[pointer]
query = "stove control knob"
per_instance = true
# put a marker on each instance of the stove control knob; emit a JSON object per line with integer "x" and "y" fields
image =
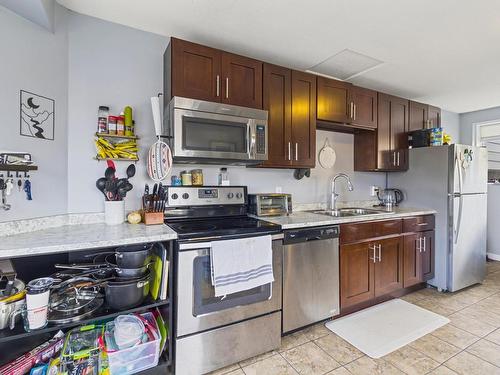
{"x": 239, "y": 195}
{"x": 185, "y": 195}
{"x": 174, "y": 196}
{"x": 230, "y": 195}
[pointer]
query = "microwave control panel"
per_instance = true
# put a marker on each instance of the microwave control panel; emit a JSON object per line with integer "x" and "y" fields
{"x": 261, "y": 139}
{"x": 183, "y": 196}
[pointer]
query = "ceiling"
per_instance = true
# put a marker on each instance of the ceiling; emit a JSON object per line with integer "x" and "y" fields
{"x": 444, "y": 52}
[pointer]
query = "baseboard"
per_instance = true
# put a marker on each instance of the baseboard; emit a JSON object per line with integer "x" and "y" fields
{"x": 493, "y": 256}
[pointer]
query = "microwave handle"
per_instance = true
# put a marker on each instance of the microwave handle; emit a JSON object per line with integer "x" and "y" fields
{"x": 251, "y": 130}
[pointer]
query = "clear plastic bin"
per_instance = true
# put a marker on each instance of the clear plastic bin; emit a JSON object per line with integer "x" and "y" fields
{"x": 134, "y": 359}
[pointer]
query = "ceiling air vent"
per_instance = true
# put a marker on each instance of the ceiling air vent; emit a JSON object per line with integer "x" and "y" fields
{"x": 345, "y": 65}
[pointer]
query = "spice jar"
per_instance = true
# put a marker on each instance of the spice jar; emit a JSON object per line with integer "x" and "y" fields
{"x": 186, "y": 178}
{"x": 120, "y": 125}
{"x": 197, "y": 177}
{"x": 112, "y": 124}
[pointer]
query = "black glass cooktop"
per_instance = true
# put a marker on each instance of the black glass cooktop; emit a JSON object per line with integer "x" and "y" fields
{"x": 233, "y": 226}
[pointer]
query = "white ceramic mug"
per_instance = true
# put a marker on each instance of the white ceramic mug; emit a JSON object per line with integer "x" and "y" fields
{"x": 114, "y": 212}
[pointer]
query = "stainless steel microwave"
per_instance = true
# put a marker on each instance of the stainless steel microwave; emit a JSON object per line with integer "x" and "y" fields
{"x": 215, "y": 133}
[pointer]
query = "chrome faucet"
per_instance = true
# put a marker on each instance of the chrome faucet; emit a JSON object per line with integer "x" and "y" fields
{"x": 335, "y": 195}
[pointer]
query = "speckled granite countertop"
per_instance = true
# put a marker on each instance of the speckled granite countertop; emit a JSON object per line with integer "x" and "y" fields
{"x": 68, "y": 238}
{"x": 309, "y": 219}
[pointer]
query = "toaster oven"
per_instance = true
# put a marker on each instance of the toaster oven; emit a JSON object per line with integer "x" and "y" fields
{"x": 273, "y": 204}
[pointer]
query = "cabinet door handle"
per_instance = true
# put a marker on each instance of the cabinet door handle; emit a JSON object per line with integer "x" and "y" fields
{"x": 227, "y": 87}
{"x": 290, "y": 151}
{"x": 380, "y": 253}
{"x": 425, "y": 246}
{"x": 354, "y": 105}
{"x": 218, "y": 85}
{"x": 394, "y": 158}
{"x": 419, "y": 246}
{"x": 374, "y": 248}
{"x": 296, "y": 151}
{"x": 398, "y": 158}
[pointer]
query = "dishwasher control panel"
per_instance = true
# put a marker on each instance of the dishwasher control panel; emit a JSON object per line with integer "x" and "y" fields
{"x": 311, "y": 234}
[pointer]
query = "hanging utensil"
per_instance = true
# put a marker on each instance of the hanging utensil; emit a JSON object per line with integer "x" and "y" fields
{"x": 159, "y": 162}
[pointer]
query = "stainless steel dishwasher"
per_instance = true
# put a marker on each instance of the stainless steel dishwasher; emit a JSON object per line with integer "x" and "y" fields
{"x": 310, "y": 276}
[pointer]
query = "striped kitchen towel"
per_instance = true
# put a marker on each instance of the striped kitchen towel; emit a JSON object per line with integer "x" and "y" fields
{"x": 241, "y": 264}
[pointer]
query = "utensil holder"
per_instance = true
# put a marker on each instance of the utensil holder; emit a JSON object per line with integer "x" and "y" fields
{"x": 152, "y": 218}
{"x": 114, "y": 212}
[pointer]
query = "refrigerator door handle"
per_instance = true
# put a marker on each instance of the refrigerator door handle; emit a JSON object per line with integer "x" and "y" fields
{"x": 459, "y": 219}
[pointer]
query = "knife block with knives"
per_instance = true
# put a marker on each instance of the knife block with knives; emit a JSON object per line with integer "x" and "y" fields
{"x": 153, "y": 204}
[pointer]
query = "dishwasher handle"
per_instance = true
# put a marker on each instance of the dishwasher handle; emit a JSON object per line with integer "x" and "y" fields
{"x": 311, "y": 234}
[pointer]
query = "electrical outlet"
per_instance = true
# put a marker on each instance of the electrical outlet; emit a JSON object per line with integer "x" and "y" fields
{"x": 278, "y": 189}
{"x": 374, "y": 190}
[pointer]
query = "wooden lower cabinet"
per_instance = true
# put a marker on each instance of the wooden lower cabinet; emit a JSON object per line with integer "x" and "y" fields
{"x": 370, "y": 269}
{"x": 380, "y": 260}
{"x": 356, "y": 274}
{"x": 388, "y": 265}
{"x": 418, "y": 258}
{"x": 428, "y": 255}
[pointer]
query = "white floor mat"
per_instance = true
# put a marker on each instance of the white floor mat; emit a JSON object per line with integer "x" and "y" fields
{"x": 383, "y": 328}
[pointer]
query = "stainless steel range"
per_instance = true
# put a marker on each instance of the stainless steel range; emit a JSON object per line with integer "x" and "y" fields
{"x": 212, "y": 332}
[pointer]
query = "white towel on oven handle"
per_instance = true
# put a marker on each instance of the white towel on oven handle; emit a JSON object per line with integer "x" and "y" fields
{"x": 241, "y": 264}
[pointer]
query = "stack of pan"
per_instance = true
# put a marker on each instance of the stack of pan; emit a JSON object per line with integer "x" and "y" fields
{"x": 124, "y": 276}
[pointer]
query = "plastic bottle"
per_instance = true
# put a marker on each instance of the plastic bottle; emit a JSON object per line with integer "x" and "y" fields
{"x": 129, "y": 124}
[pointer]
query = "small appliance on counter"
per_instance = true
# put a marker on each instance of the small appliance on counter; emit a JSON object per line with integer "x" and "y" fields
{"x": 389, "y": 197}
{"x": 272, "y": 204}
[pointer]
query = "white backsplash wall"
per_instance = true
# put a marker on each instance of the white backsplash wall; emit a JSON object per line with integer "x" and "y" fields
{"x": 315, "y": 189}
{"x": 35, "y": 60}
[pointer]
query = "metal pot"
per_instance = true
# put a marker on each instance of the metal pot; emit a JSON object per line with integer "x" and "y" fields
{"x": 134, "y": 256}
{"x": 127, "y": 272}
{"x": 126, "y": 294}
{"x": 8, "y": 306}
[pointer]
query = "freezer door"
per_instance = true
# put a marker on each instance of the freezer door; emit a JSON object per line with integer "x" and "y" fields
{"x": 467, "y": 255}
{"x": 469, "y": 176}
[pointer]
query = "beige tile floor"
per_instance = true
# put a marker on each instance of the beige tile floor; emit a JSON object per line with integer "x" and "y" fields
{"x": 469, "y": 345}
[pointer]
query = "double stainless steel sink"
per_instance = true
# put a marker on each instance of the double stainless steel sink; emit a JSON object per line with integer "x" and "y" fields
{"x": 351, "y": 211}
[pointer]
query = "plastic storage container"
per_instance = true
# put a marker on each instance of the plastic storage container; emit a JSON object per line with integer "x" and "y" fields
{"x": 134, "y": 359}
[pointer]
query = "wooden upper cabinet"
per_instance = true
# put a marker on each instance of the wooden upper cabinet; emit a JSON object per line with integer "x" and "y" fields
{"x": 434, "y": 117}
{"x": 418, "y": 118}
{"x": 242, "y": 81}
{"x": 303, "y": 120}
{"x": 277, "y": 100}
{"x": 392, "y": 132}
{"x": 195, "y": 70}
{"x": 334, "y": 100}
{"x": 423, "y": 116}
{"x": 199, "y": 72}
{"x": 364, "y": 107}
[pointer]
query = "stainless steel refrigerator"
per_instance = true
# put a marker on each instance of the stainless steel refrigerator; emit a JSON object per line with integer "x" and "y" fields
{"x": 453, "y": 181}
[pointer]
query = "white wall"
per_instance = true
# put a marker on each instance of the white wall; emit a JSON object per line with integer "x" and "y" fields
{"x": 308, "y": 190}
{"x": 35, "y": 60}
{"x": 111, "y": 65}
{"x": 450, "y": 121}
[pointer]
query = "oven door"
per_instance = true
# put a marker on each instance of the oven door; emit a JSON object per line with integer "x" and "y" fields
{"x": 213, "y": 136}
{"x": 197, "y": 307}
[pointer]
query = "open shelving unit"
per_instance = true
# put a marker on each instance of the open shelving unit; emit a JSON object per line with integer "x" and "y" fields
{"x": 16, "y": 342}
